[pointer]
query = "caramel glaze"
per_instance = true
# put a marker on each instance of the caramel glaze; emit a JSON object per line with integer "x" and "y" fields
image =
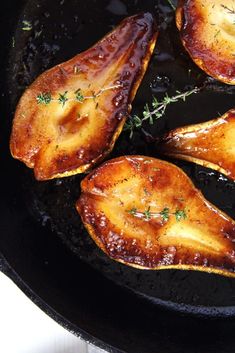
{"x": 203, "y": 241}
{"x": 59, "y": 141}
{"x": 208, "y": 34}
{"x": 210, "y": 144}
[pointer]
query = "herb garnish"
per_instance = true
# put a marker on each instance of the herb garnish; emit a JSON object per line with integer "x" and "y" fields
{"x": 63, "y": 98}
{"x": 159, "y": 109}
{"x": 46, "y": 97}
{"x": 171, "y": 4}
{"x": 79, "y": 95}
{"x": 147, "y": 214}
{"x": 164, "y": 214}
{"x": 27, "y": 25}
{"x": 230, "y": 11}
{"x": 132, "y": 211}
{"x": 76, "y": 69}
{"x": 217, "y": 33}
{"x": 180, "y": 214}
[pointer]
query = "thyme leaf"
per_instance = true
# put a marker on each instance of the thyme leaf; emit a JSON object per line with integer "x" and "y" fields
{"x": 63, "y": 98}
{"x": 171, "y": 4}
{"x": 44, "y": 98}
{"x": 180, "y": 214}
{"x": 132, "y": 211}
{"x": 165, "y": 214}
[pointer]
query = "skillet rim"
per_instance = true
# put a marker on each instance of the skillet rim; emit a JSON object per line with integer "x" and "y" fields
{"x": 6, "y": 268}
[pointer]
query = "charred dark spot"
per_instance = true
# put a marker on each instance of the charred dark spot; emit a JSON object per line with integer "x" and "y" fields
{"x": 61, "y": 160}
{"x": 229, "y": 233}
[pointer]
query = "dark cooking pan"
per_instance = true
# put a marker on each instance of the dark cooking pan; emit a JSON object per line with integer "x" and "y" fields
{"x": 43, "y": 245}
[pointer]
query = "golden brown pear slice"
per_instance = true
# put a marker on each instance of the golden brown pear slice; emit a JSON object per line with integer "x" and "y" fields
{"x": 146, "y": 213}
{"x": 71, "y": 116}
{"x": 208, "y": 33}
{"x": 210, "y": 144}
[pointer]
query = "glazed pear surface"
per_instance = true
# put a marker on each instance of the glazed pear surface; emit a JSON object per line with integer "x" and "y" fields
{"x": 210, "y": 144}
{"x": 208, "y": 34}
{"x": 146, "y": 213}
{"x": 71, "y": 116}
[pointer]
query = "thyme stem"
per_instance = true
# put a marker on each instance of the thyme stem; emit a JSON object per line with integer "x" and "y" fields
{"x": 230, "y": 11}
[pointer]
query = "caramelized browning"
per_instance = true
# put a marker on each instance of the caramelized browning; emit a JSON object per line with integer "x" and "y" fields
{"x": 208, "y": 33}
{"x": 146, "y": 213}
{"x": 65, "y": 135}
{"x": 210, "y": 144}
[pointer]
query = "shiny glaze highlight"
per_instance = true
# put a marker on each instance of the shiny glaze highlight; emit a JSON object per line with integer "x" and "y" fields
{"x": 203, "y": 241}
{"x": 59, "y": 141}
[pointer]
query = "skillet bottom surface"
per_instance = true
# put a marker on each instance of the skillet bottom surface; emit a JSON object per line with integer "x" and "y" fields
{"x": 60, "y": 30}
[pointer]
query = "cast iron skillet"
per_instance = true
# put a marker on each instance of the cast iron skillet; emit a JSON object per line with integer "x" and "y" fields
{"x": 43, "y": 246}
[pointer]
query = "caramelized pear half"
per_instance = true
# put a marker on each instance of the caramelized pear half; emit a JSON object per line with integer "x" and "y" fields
{"x": 208, "y": 33}
{"x": 210, "y": 144}
{"x": 71, "y": 116}
{"x": 146, "y": 213}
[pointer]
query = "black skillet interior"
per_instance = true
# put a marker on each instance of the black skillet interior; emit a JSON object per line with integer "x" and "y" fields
{"x": 50, "y": 254}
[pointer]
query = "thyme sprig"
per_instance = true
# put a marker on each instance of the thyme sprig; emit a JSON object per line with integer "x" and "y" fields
{"x": 46, "y": 98}
{"x": 164, "y": 214}
{"x": 172, "y": 5}
{"x": 157, "y": 112}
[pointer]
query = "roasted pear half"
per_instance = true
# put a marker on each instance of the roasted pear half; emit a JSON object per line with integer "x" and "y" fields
{"x": 71, "y": 116}
{"x": 210, "y": 144}
{"x": 146, "y": 213}
{"x": 208, "y": 33}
